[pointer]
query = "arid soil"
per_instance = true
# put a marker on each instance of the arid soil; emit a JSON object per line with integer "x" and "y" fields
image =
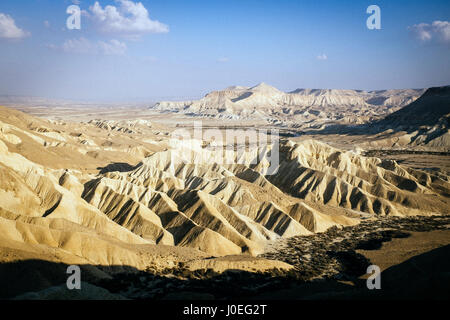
{"x": 326, "y": 265}
{"x": 147, "y": 215}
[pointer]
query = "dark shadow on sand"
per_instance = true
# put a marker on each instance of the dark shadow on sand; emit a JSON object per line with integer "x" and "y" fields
{"x": 116, "y": 166}
{"x": 426, "y": 276}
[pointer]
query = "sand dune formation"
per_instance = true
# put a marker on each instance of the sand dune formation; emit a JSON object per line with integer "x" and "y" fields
{"x": 117, "y": 193}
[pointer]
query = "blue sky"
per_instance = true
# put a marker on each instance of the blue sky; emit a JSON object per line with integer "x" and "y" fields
{"x": 187, "y": 48}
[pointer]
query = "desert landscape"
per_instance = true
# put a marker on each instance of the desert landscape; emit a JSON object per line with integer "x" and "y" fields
{"x": 224, "y": 159}
{"x": 362, "y": 178}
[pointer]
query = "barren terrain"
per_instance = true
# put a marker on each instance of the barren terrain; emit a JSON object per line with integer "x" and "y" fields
{"x": 111, "y": 189}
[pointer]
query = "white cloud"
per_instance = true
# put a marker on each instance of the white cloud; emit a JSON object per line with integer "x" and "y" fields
{"x": 52, "y": 46}
{"x": 149, "y": 59}
{"x": 85, "y": 46}
{"x": 9, "y": 30}
{"x": 437, "y": 30}
{"x": 129, "y": 19}
{"x": 223, "y": 59}
{"x": 81, "y": 45}
{"x": 112, "y": 47}
{"x": 47, "y": 24}
{"x": 322, "y": 57}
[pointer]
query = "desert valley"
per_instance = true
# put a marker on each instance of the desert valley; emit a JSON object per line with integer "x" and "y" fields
{"x": 361, "y": 178}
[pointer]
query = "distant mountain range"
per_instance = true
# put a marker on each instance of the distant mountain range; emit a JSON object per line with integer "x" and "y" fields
{"x": 426, "y": 121}
{"x": 430, "y": 109}
{"x": 302, "y": 105}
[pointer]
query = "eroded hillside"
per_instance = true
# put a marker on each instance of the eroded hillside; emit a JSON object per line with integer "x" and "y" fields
{"x": 143, "y": 192}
